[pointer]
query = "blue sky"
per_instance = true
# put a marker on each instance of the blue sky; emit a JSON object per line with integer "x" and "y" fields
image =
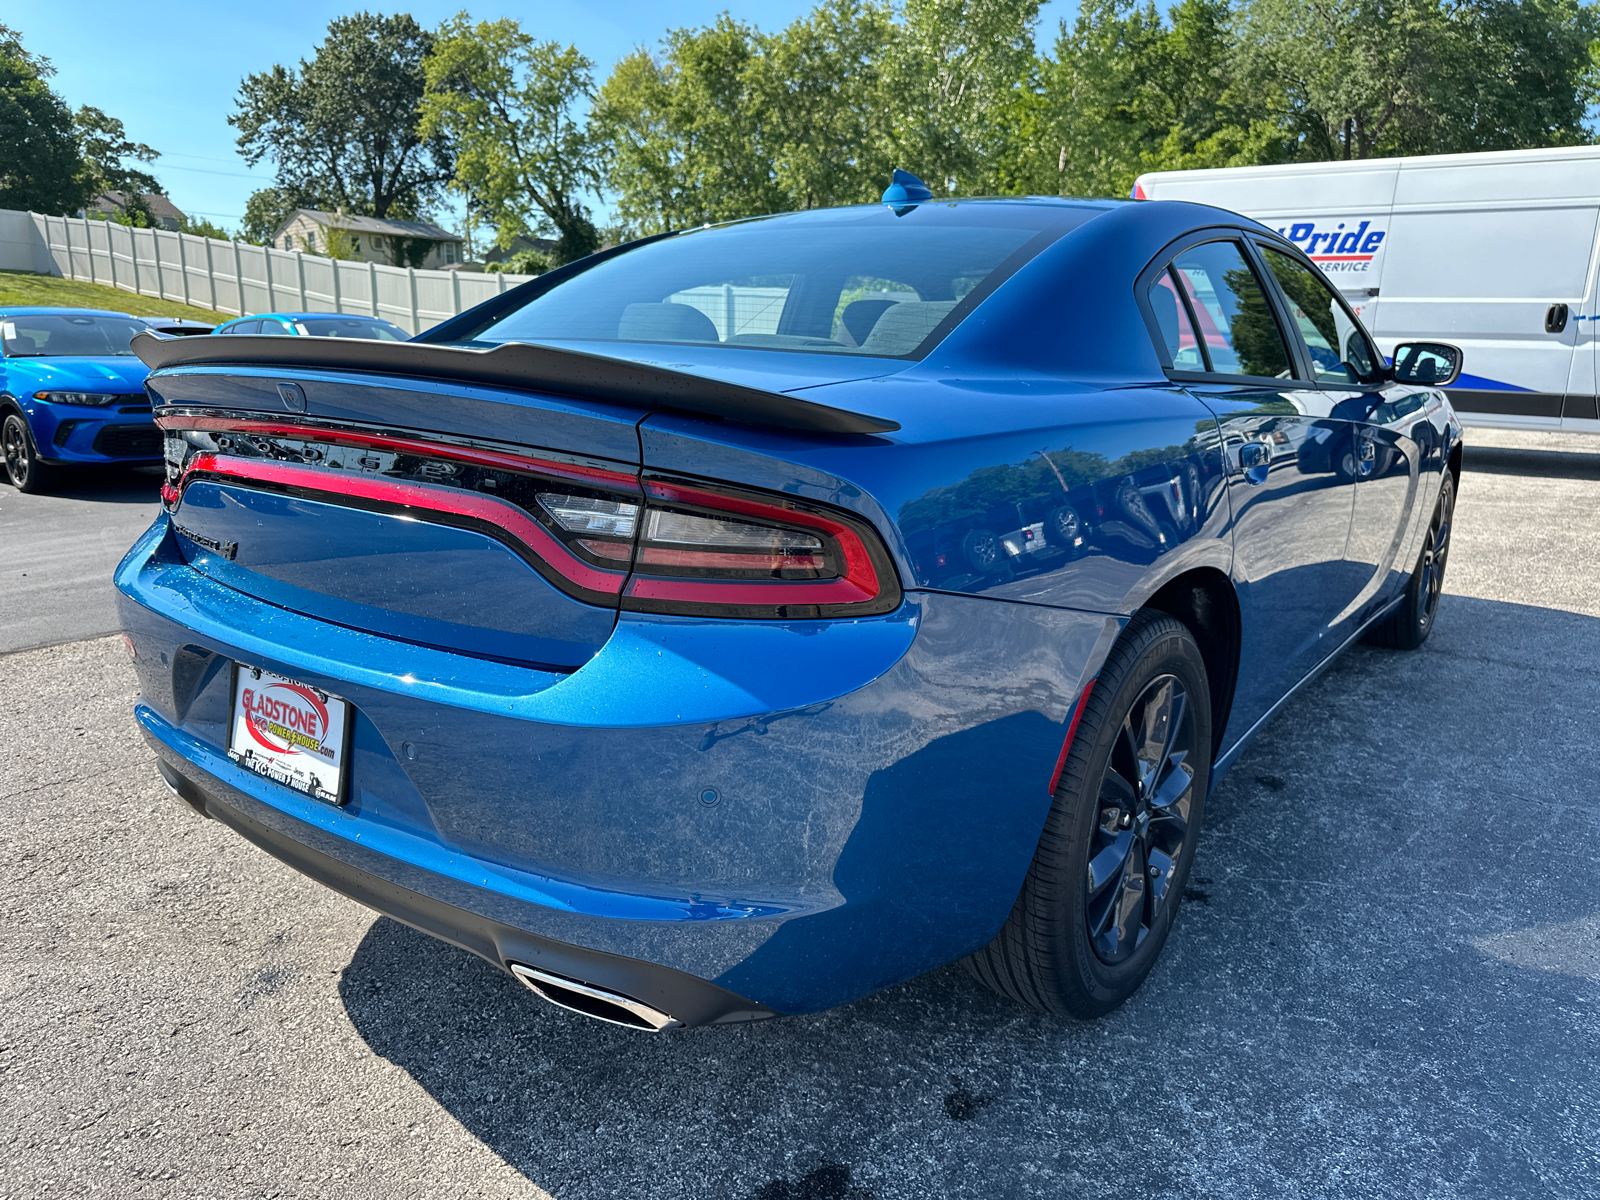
{"x": 171, "y": 73}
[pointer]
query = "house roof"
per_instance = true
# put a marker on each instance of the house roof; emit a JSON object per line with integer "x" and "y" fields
{"x": 158, "y": 204}
{"x": 378, "y": 225}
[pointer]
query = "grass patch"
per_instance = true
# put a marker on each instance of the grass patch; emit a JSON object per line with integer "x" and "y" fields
{"x": 23, "y": 287}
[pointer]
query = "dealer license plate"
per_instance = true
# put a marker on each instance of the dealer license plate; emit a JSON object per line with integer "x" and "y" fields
{"x": 290, "y": 732}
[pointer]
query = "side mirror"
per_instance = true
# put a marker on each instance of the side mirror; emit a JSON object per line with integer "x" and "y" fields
{"x": 1431, "y": 364}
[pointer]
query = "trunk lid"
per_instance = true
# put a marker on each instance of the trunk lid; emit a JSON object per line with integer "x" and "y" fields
{"x": 404, "y": 509}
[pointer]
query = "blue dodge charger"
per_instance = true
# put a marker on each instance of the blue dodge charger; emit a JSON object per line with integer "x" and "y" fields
{"x": 71, "y": 393}
{"x": 740, "y": 621}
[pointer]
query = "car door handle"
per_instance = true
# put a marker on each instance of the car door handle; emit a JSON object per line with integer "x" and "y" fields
{"x": 1555, "y": 318}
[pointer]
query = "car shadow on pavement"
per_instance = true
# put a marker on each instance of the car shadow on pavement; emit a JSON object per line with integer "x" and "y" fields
{"x": 1382, "y": 982}
{"x": 107, "y": 485}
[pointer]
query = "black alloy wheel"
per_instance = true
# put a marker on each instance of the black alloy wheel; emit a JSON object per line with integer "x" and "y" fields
{"x": 1109, "y": 871}
{"x": 1411, "y": 623}
{"x": 1146, "y": 799}
{"x": 23, "y": 468}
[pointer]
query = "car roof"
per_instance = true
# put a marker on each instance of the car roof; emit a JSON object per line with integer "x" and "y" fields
{"x": 55, "y": 310}
{"x": 296, "y": 316}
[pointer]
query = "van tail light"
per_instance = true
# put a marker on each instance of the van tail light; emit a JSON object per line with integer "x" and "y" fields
{"x": 713, "y": 552}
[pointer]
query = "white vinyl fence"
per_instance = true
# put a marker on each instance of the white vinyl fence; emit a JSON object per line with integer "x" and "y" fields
{"x": 235, "y": 278}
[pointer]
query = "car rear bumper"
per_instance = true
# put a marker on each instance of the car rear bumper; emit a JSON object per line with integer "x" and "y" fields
{"x": 793, "y": 814}
{"x": 688, "y": 1000}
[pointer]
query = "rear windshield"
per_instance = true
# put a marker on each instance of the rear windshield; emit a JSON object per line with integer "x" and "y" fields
{"x": 351, "y": 327}
{"x": 67, "y": 336}
{"x": 839, "y": 281}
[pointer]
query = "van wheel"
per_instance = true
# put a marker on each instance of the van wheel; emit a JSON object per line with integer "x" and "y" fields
{"x": 1107, "y": 877}
{"x": 23, "y": 468}
{"x": 1411, "y": 623}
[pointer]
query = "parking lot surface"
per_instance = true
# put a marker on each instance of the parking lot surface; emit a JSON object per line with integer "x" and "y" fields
{"x": 1385, "y": 981}
{"x": 57, "y": 553}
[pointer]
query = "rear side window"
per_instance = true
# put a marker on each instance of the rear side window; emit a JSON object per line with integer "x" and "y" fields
{"x": 1238, "y": 332}
{"x": 1177, "y": 331}
{"x": 1340, "y": 352}
{"x": 270, "y": 327}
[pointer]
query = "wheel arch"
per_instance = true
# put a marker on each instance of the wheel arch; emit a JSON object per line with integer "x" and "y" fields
{"x": 1205, "y": 602}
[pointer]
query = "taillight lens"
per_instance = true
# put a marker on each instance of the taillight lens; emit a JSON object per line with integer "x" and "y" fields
{"x": 682, "y": 542}
{"x": 704, "y": 551}
{"x": 699, "y": 551}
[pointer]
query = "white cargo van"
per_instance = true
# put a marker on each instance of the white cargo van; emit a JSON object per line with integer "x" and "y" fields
{"x": 1495, "y": 253}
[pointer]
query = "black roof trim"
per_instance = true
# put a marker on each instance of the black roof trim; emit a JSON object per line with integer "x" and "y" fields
{"x": 514, "y": 365}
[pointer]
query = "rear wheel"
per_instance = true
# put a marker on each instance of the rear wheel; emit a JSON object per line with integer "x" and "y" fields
{"x": 1062, "y": 528}
{"x": 1411, "y": 623}
{"x": 23, "y": 468}
{"x": 982, "y": 551}
{"x": 1109, "y": 871}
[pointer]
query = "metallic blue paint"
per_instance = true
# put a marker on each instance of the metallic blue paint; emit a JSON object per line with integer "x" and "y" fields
{"x": 881, "y": 781}
{"x": 426, "y": 583}
{"x": 66, "y": 433}
{"x": 874, "y": 774}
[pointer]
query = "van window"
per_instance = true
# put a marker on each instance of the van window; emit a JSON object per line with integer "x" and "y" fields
{"x": 1240, "y": 334}
{"x": 1183, "y": 348}
{"x": 1340, "y": 352}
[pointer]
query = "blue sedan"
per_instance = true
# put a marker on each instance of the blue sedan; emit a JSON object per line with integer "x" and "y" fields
{"x": 739, "y": 622}
{"x": 71, "y": 393}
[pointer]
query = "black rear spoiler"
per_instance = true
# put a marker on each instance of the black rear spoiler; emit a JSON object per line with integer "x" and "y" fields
{"x": 516, "y": 365}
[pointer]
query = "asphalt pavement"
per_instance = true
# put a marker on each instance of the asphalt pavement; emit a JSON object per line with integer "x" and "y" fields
{"x": 57, "y": 553}
{"x": 1385, "y": 981}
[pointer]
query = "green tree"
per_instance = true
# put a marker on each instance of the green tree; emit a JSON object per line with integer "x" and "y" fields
{"x": 104, "y": 145}
{"x": 823, "y": 86}
{"x": 1521, "y": 76}
{"x": 339, "y": 243}
{"x": 1359, "y": 78}
{"x": 41, "y": 165}
{"x": 1355, "y": 77}
{"x": 689, "y": 130}
{"x": 729, "y": 122}
{"x": 342, "y": 130}
{"x": 957, "y": 71}
{"x": 1129, "y": 91}
{"x": 203, "y": 228}
{"x": 513, "y": 105}
{"x": 267, "y": 210}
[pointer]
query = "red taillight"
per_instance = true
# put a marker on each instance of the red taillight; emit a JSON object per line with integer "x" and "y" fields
{"x": 702, "y": 551}
{"x": 602, "y": 536}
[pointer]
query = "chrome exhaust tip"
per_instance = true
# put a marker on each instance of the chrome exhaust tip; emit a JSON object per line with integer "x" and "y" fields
{"x": 590, "y": 1001}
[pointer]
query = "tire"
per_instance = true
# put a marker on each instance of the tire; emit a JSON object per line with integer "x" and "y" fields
{"x": 23, "y": 468}
{"x": 981, "y": 550}
{"x": 1410, "y": 624}
{"x": 1062, "y": 528}
{"x": 1048, "y": 956}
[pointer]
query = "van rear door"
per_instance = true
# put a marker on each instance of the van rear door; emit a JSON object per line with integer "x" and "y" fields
{"x": 1479, "y": 254}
